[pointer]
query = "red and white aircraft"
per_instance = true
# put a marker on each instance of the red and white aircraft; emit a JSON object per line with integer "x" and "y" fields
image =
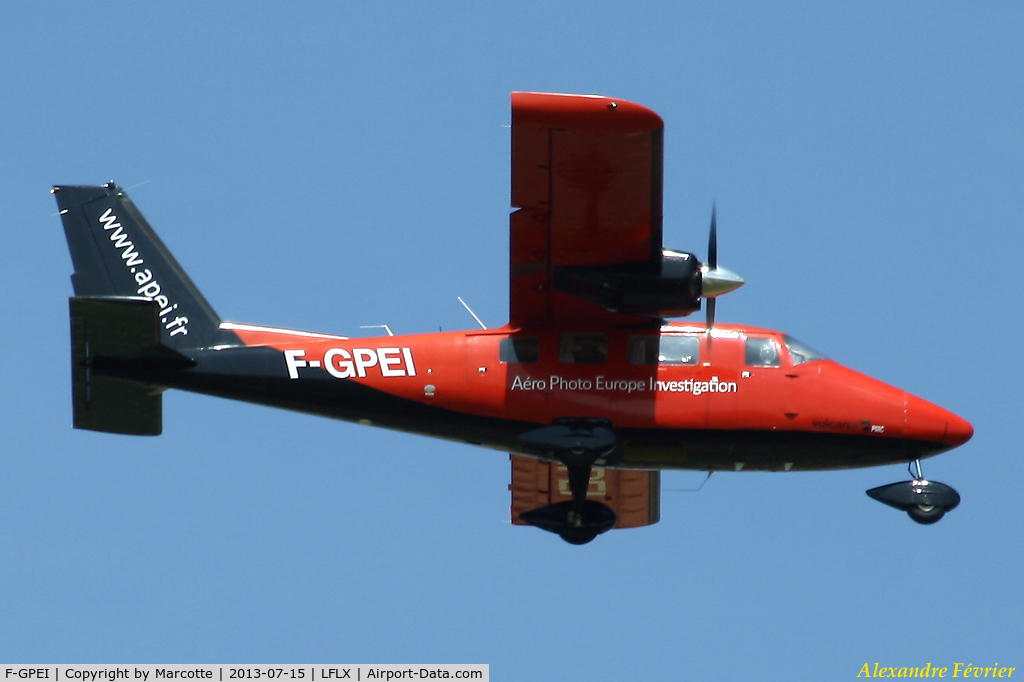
{"x": 588, "y": 386}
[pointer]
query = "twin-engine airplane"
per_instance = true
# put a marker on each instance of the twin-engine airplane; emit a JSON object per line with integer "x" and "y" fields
{"x": 588, "y": 386}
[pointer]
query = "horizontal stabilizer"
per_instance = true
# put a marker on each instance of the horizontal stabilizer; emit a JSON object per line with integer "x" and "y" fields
{"x": 111, "y": 338}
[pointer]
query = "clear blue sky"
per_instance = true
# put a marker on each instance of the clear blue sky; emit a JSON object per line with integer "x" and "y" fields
{"x": 325, "y": 165}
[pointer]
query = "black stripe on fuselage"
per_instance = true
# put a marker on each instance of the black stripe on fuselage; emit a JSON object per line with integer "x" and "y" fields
{"x": 257, "y": 374}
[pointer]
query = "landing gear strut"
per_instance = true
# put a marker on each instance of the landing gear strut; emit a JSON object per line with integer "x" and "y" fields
{"x": 577, "y": 443}
{"x": 924, "y": 501}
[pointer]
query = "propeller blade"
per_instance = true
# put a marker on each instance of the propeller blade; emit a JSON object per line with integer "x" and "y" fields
{"x": 713, "y": 239}
{"x": 711, "y": 312}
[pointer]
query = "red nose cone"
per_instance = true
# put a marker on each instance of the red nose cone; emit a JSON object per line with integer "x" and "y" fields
{"x": 930, "y": 423}
{"x": 959, "y": 431}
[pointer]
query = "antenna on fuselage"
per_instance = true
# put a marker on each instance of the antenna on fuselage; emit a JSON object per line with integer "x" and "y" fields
{"x": 378, "y": 326}
{"x": 689, "y": 490}
{"x": 470, "y": 311}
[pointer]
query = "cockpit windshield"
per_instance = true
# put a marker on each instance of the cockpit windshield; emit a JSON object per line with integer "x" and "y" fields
{"x": 801, "y": 352}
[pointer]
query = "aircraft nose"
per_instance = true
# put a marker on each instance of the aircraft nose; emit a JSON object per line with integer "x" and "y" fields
{"x": 933, "y": 424}
{"x": 959, "y": 431}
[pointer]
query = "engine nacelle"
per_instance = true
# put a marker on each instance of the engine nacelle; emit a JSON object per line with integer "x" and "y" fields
{"x": 673, "y": 288}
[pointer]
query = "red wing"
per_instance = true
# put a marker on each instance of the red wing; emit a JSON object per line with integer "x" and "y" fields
{"x": 586, "y": 178}
{"x": 634, "y": 495}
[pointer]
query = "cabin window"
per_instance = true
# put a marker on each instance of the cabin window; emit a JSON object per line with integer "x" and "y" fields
{"x": 801, "y": 352}
{"x": 761, "y": 352}
{"x": 584, "y": 349}
{"x": 664, "y": 350}
{"x": 519, "y": 350}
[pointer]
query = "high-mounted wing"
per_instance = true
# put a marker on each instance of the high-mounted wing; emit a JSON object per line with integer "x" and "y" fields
{"x": 587, "y": 183}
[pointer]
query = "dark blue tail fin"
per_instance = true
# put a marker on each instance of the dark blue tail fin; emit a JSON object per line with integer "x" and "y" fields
{"x": 117, "y": 254}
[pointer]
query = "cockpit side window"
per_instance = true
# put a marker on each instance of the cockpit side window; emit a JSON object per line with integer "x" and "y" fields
{"x": 801, "y": 352}
{"x": 761, "y": 352}
{"x": 519, "y": 350}
{"x": 664, "y": 350}
{"x": 584, "y": 349}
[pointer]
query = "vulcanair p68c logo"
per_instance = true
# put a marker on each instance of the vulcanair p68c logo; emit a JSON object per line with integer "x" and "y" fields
{"x": 342, "y": 363}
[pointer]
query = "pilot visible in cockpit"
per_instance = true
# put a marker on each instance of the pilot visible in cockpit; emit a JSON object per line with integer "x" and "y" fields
{"x": 761, "y": 353}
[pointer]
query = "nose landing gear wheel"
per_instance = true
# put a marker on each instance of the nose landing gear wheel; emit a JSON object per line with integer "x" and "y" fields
{"x": 926, "y": 514}
{"x": 924, "y": 501}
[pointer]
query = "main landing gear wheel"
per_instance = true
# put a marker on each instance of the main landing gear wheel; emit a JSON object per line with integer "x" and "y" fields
{"x": 576, "y": 524}
{"x": 578, "y": 444}
{"x": 924, "y": 501}
{"x": 578, "y": 536}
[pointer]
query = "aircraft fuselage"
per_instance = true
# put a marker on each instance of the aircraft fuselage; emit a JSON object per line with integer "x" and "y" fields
{"x": 708, "y": 405}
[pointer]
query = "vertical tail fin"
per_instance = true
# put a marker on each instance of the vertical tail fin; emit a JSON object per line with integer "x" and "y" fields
{"x": 117, "y": 254}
